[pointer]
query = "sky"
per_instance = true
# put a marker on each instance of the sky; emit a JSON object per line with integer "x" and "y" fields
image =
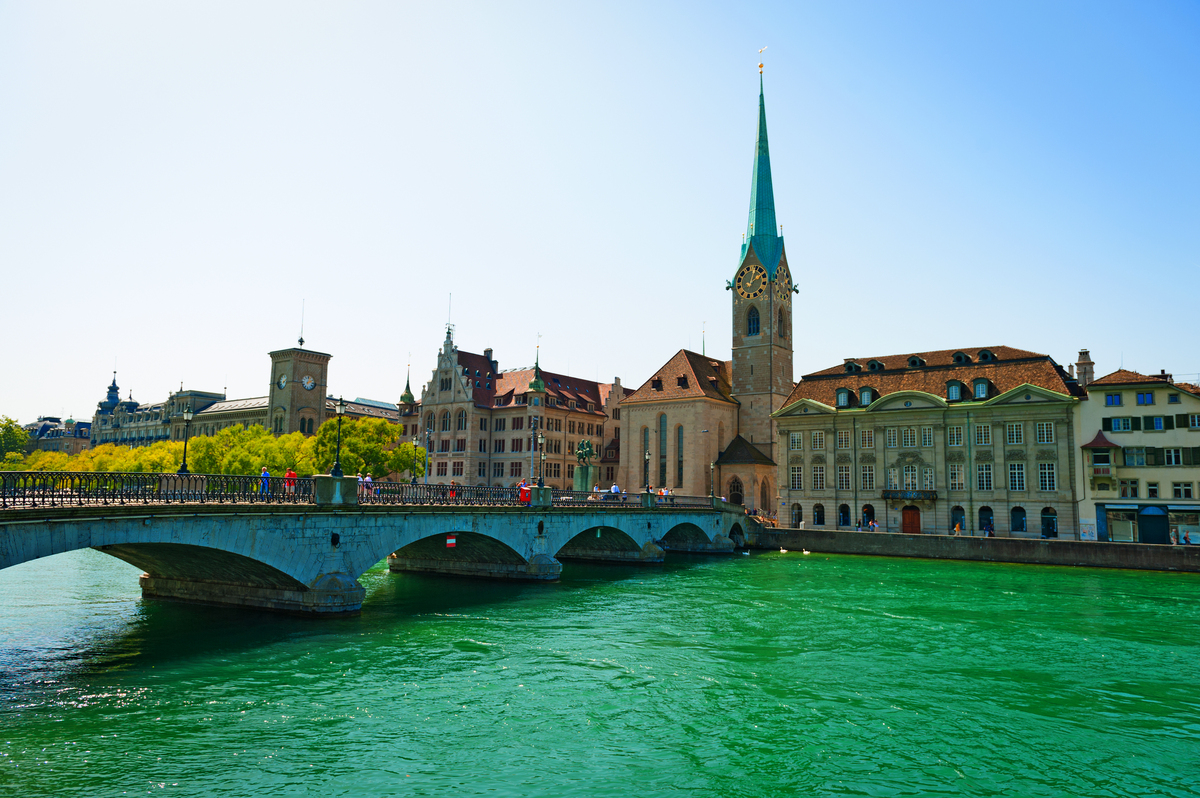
{"x": 177, "y": 180}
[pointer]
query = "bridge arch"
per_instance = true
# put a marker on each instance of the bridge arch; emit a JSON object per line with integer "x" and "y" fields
{"x": 606, "y": 543}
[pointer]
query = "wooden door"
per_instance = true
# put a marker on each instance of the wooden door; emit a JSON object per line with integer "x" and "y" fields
{"x": 910, "y": 521}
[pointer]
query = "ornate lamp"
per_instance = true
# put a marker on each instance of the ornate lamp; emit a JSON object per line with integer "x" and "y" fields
{"x": 187, "y": 427}
{"x": 541, "y": 442}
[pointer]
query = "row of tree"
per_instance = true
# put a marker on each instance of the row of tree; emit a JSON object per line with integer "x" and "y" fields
{"x": 369, "y": 446}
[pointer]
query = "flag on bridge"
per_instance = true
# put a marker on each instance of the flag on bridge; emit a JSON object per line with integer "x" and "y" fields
{"x": 451, "y": 540}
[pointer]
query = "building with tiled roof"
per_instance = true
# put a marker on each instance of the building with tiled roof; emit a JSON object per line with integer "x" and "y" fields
{"x": 481, "y": 425}
{"x": 1140, "y": 468}
{"x": 976, "y": 440}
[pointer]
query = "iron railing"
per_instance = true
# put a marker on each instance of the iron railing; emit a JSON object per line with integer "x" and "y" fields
{"x": 422, "y": 494}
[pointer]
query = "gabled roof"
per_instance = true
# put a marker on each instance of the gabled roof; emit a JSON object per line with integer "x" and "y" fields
{"x": 741, "y": 452}
{"x": 1007, "y": 368}
{"x": 506, "y": 384}
{"x": 687, "y": 375}
{"x": 1126, "y": 377}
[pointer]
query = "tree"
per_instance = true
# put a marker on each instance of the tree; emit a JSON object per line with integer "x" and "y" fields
{"x": 367, "y": 445}
{"x": 13, "y": 438}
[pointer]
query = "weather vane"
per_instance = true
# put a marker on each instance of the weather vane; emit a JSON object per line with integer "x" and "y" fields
{"x": 760, "y": 52}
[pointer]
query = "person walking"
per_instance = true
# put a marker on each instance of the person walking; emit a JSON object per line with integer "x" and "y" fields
{"x": 289, "y": 480}
{"x": 264, "y": 481}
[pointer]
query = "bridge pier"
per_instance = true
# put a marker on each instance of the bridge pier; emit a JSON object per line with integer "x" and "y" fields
{"x": 333, "y": 595}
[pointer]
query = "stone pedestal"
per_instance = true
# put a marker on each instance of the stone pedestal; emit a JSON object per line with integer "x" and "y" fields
{"x": 335, "y": 490}
{"x": 586, "y": 477}
{"x": 541, "y": 497}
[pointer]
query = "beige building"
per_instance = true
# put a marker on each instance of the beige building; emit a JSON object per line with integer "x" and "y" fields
{"x": 1139, "y": 459}
{"x": 978, "y": 439}
{"x": 481, "y": 423}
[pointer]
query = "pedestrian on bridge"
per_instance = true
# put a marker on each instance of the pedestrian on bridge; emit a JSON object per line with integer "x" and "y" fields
{"x": 265, "y": 481}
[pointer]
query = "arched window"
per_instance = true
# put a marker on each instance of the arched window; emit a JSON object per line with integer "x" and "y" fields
{"x": 818, "y": 515}
{"x": 461, "y": 421}
{"x": 986, "y": 520}
{"x": 797, "y": 515}
{"x": 662, "y": 449}
{"x": 764, "y": 497}
{"x": 1049, "y": 522}
{"x": 736, "y": 492}
{"x": 1017, "y": 517}
{"x": 679, "y": 456}
{"x": 843, "y": 515}
{"x": 752, "y": 322}
{"x": 958, "y": 518}
{"x": 782, "y": 323}
{"x": 445, "y": 421}
{"x": 868, "y": 514}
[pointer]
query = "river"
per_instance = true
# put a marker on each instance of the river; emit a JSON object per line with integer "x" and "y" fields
{"x": 764, "y": 675}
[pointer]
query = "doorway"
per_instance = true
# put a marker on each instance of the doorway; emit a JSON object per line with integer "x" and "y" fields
{"x": 910, "y": 520}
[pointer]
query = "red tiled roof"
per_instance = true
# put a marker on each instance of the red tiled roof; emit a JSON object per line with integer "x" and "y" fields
{"x": 1009, "y": 369}
{"x": 687, "y": 375}
{"x": 1100, "y": 442}
{"x": 1126, "y": 377}
{"x": 486, "y": 385}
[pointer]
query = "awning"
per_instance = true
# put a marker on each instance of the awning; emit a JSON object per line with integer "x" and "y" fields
{"x": 1185, "y": 508}
{"x": 1120, "y": 507}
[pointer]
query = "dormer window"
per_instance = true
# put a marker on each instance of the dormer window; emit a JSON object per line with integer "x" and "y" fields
{"x": 656, "y": 384}
{"x": 864, "y": 396}
{"x": 874, "y": 365}
{"x": 915, "y": 362}
{"x": 981, "y": 389}
{"x": 852, "y": 367}
{"x": 986, "y": 356}
{"x": 682, "y": 381}
{"x": 843, "y": 398}
{"x": 961, "y": 358}
{"x": 953, "y": 391}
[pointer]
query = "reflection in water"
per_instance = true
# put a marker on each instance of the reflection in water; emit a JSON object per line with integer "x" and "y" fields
{"x": 753, "y": 675}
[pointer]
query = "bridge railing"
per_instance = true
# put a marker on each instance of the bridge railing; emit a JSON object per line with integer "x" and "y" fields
{"x": 422, "y": 494}
{"x": 579, "y": 498}
{"x": 31, "y": 489}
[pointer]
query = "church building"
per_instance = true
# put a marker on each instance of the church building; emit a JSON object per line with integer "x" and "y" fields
{"x": 702, "y": 425}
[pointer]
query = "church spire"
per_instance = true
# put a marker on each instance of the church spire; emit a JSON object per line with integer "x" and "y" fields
{"x": 761, "y": 229}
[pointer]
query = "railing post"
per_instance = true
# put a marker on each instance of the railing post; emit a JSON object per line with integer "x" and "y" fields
{"x": 541, "y": 497}
{"x": 335, "y": 490}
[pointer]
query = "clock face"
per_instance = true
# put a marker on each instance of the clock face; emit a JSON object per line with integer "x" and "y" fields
{"x": 282, "y": 381}
{"x": 308, "y": 382}
{"x": 783, "y": 283}
{"x": 752, "y": 281}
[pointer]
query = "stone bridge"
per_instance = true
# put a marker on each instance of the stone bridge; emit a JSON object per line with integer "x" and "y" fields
{"x": 307, "y": 558}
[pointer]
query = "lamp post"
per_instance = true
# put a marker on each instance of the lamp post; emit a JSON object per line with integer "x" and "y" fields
{"x": 646, "y": 472}
{"x": 416, "y": 441}
{"x": 187, "y": 426}
{"x": 711, "y": 466}
{"x": 340, "y": 408}
{"x": 541, "y": 442}
{"x": 428, "y": 447}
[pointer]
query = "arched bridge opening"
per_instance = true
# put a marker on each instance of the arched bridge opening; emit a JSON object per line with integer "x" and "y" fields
{"x": 465, "y": 553}
{"x": 608, "y": 544}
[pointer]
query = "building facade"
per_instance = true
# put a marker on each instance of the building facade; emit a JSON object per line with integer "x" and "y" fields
{"x": 976, "y": 440}
{"x": 52, "y": 434}
{"x": 1139, "y": 459}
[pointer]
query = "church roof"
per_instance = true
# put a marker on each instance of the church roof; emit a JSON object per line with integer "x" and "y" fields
{"x": 742, "y": 452}
{"x": 687, "y": 375}
{"x": 1005, "y": 367}
{"x": 761, "y": 228}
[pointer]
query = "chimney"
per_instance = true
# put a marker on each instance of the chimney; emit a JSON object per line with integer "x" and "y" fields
{"x": 1085, "y": 368}
{"x": 487, "y": 354}
{"x": 1071, "y": 370}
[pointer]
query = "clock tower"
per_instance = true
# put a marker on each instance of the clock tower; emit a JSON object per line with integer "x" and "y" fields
{"x": 762, "y": 292}
{"x": 299, "y": 385}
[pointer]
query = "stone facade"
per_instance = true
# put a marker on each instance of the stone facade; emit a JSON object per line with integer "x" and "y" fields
{"x": 1139, "y": 458}
{"x": 980, "y": 438}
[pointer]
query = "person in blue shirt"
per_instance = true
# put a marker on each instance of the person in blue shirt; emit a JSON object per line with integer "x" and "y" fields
{"x": 266, "y": 477}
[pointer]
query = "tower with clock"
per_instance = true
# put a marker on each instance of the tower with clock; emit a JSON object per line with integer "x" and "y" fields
{"x": 762, "y": 292}
{"x": 299, "y": 385}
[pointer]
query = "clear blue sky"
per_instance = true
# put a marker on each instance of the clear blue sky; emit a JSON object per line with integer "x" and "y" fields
{"x": 176, "y": 178}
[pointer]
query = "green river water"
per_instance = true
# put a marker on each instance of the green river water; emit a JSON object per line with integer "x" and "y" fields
{"x": 763, "y": 675}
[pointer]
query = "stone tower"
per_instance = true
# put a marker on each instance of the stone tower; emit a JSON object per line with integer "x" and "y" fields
{"x": 762, "y": 292}
{"x": 299, "y": 385}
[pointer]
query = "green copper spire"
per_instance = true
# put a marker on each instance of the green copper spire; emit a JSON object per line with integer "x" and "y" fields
{"x": 761, "y": 229}
{"x": 537, "y": 385}
{"x": 407, "y": 397}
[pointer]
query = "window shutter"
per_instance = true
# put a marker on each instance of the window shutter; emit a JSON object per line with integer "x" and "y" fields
{"x": 1168, "y": 422}
{"x": 1150, "y": 455}
{"x": 1106, "y": 424}
{"x": 1136, "y": 422}
{"x": 1187, "y": 456}
{"x": 1181, "y": 420}
{"x": 1196, "y": 455}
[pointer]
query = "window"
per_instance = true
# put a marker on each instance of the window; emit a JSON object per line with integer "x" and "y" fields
{"x": 983, "y": 476}
{"x": 515, "y": 468}
{"x": 482, "y": 471}
{"x": 891, "y": 437}
{"x": 1173, "y": 456}
{"x": 927, "y": 482}
{"x": 444, "y": 445}
{"x": 752, "y": 322}
{"x": 843, "y": 439}
{"x": 483, "y": 424}
{"x": 498, "y": 445}
{"x": 795, "y": 440}
{"x": 1016, "y": 476}
{"x": 1135, "y": 456}
{"x": 893, "y": 479}
{"x": 1154, "y": 423}
{"x": 456, "y": 468}
{"x": 461, "y": 421}
{"x": 441, "y": 468}
{"x": 954, "y": 436}
{"x": 1145, "y": 398}
{"x": 571, "y": 427}
{"x": 843, "y": 398}
{"x": 843, "y": 477}
{"x": 1046, "y": 477}
{"x": 797, "y": 474}
{"x": 797, "y": 515}
{"x": 866, "y": 438}
{"x": 1194, "y": 421}
{"x": 927, "y": 436}
{"x": 867, "y": 478}
{"x": 981, "y": 390}
{"x": 983, "y": 434}
{"x": 1129, "y": 488}
{"x": 1045, "y": 432}
{"x": 819, "y": 515}
{"x": 1014, "y": 434}
{"x": 910, "y": 477}
{"x": 679, "y": 456}
{"x": 1121, "y": 424}
{"x": 1151, "y": 490}
{"x": 864, "y": 397}
{"x": 818, "y": 478}
{"x": 483, "y": 445}
{"x": 460, "y": 445}
{"x": 1182, "y": 490}
{"x": 908, "y": 437}
{"x": 1172, "y": 398}
{"x": 1112, "y": 400}
{"x": 818, "y": 440}
{"x": 518, "y": 444}
{"x": 956, "y": 477}
{"x": 953, "y": 392}
{"x": 498, "y": 424}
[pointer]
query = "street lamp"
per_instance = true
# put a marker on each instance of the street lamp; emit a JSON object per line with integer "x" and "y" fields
{"x": 646, "y": 472}
{"x": 711, "y": 466}
{"x": 340, "y": 408}
{"x": 187, "y": 426}
{"x": 541, "y": 442}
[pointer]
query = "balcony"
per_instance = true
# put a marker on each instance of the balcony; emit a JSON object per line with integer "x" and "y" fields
{"x": 910, "y": 495}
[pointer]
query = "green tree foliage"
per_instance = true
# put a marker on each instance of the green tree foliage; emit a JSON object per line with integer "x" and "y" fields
{"x": 368, "y": 446}
{"x": 12, "y": 437}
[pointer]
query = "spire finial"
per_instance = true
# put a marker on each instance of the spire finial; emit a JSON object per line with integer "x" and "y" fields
{"x": 301, "y": 340}
{"x": 761, "y": 50}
